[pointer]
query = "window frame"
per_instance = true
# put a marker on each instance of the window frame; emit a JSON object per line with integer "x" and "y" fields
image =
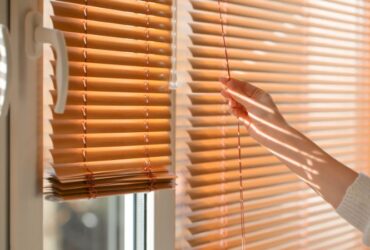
{"x": 4, "y": 154}
{"x": 25, "y": 189}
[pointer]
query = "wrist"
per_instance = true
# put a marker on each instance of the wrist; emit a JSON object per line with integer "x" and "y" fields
{"x": 279, "y": 137}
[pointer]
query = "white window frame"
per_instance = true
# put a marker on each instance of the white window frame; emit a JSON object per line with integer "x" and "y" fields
{"x": 25, "y": 173}
{"x": 4, "y": 156}
{"x": 25, "y": 229}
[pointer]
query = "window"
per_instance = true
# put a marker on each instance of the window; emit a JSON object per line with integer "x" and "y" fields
{"x": 116, "y": 124}
{"x": 115, "y": 129}
{"x": 311, "y": 56}
{"x": 144, "y": 97}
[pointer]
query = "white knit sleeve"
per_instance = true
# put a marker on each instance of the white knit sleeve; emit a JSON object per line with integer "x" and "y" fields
{"x": 355, "y": 206}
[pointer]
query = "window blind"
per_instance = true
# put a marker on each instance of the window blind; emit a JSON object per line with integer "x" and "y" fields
{"x": 313, "y": 57}
{"x": 114, "y": 136}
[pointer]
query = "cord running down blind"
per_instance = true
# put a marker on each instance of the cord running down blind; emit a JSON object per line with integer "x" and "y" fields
{"x": 313, "y": 57}
{"x": 114, "y": 136}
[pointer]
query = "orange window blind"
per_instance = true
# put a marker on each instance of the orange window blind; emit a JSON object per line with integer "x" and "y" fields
{"x": 312, "y": 57}
{"x": 114, "y": 136}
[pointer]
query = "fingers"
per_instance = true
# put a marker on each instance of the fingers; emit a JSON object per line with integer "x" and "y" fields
{"x": 232, "y": 102}
{"x": 237, "y": 110}
{"x": 230, "y": 94}
{"x": 225, "y": 94}
{"x": 241, "y": 115}
{"x": 241, "y": 87}
{"x": 233, "y": 91}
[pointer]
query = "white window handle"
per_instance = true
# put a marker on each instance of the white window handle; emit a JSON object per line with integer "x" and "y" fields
{"x": 36, "y": 36}
{"x": 5, "y": 70}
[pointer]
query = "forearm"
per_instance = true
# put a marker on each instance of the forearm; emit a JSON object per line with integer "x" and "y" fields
{"x": 323, "y": 173}
{"x": 257, "y": 110}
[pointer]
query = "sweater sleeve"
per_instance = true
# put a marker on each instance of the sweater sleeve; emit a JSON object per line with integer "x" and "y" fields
{"x": 355, "y": 206}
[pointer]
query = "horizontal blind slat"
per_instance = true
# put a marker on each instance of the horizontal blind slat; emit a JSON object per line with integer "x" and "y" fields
{"x": 116, "y": 98}
{"x": 74, "y": 39}
{"x": 113, "y": 126}
{"x": 68, "y": 141}
{"x": 117, "y": 85}
{"x": 113, "y": 112}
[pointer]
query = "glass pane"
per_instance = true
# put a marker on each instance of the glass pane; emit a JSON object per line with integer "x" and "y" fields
{"x": 77, "y": 225}
{"x": 114, "y": 223}
{"x": 140, "y": 221}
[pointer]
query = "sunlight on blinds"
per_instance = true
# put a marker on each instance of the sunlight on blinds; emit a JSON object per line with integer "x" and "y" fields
{"x": 313, "y": 57}
{"x": 114, "y": 136}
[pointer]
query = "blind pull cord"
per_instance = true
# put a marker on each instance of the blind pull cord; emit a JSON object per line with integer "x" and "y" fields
{"x": 90, "y": 177}
{"x": 224, "y": 210}
{"x": 148, "y": 163}
{"x": 241, "y": 189}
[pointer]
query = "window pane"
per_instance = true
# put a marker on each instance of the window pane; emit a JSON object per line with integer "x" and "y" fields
{"x": 140, "y": 221}
{"x": 77, "y": 225}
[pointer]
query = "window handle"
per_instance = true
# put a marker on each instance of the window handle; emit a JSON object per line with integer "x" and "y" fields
{"x": 36, "y": 35}
{"x": 5, "y": 69}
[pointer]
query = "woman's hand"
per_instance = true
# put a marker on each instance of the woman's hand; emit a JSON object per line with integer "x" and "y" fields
{"x": 254, "y": 108}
